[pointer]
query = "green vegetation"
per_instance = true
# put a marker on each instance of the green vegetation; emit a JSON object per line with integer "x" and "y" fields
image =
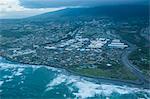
{"x": 116, "y": 72}
{"x": 134, "y": 38}
{"x": 141, "y": 58}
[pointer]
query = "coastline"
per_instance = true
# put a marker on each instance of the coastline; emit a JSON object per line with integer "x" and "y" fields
{"x": 98, "y": 80}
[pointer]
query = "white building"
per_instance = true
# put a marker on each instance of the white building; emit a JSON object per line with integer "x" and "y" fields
{"x": 117, "y": 44}
{"x": 50, "y": 47}
{"x": 98, "y": 43}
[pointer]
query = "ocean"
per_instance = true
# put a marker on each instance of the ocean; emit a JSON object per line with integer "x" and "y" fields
{"x": 23, "y": 81}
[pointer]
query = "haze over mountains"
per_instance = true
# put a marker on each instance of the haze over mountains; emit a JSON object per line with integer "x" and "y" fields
{"x": 117, "y": 11}
{"x": 25, "y": 8}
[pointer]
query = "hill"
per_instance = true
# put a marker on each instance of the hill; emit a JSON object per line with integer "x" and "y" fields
{"x": 117, "y": 11}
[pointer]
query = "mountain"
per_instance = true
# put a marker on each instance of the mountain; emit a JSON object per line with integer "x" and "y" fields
{"x": 117, "y": 11}
{"x": 74, "y": 15}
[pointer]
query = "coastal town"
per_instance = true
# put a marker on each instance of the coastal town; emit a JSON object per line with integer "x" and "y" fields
{"x": 74, "y": 49}
{"x": 80, "y": 46}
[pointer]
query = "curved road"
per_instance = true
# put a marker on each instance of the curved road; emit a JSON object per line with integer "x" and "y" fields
{"x": 143, "y": 79}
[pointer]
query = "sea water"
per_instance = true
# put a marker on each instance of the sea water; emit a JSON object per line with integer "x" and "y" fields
{"x": 22, "y": 81}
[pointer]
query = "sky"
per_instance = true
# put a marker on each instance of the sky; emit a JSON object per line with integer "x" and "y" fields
{"x": 10, "y": 9}
{"x": 26, "y": 8}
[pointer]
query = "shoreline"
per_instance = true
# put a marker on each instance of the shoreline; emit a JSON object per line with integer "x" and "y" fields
{"x": 98, "y": 80}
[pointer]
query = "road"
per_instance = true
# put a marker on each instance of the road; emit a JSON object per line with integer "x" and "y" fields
{"x": 133, "y": 68}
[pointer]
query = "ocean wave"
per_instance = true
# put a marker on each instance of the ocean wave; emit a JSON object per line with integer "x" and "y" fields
{"x": 90, "y": 89}
{"x": 56, "y": 81}
{"x": 87, "y": 89}
{"x": 1, "y": 82}
{"x": 78, "y": 86}
{"x": 6, "y": 66}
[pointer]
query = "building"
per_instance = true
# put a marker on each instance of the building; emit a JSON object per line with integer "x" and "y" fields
{"x": 98, "y": 43}
{"x": 117, "y": 44}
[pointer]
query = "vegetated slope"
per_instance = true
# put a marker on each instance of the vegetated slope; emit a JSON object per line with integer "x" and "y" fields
{"x": 118, "y": 11}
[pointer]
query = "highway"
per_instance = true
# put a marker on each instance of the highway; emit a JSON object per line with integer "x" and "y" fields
{"x": 133, "y": 68}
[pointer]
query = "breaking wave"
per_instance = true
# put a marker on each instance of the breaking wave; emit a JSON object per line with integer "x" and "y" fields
{"x": 55, "y": 78}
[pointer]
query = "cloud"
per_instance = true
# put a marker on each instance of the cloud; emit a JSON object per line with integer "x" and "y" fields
{"x": 13, "y": 9}
{"x": 26, "y": 8}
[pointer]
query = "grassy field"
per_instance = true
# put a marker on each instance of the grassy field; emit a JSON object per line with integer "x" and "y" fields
{"x": 116, "y": 72}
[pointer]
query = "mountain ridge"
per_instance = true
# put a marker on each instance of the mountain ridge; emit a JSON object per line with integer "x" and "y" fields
{"x": 114, "y": 11}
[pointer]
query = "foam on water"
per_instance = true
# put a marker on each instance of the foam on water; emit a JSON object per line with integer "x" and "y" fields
{"x": 87, "y": 89}
{"x": 19, "y": 72}
{"x": 6, "y": 66}
{"x": 1, "y": 82}
{"x": 58, "y": 80}
{"x": 78, "y": 86}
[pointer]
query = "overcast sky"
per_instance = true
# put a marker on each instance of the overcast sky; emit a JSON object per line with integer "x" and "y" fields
{"x": 26, "y": 8}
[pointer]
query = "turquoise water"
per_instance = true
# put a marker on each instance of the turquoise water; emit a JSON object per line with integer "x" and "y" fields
{"x": 18, "y": 81}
